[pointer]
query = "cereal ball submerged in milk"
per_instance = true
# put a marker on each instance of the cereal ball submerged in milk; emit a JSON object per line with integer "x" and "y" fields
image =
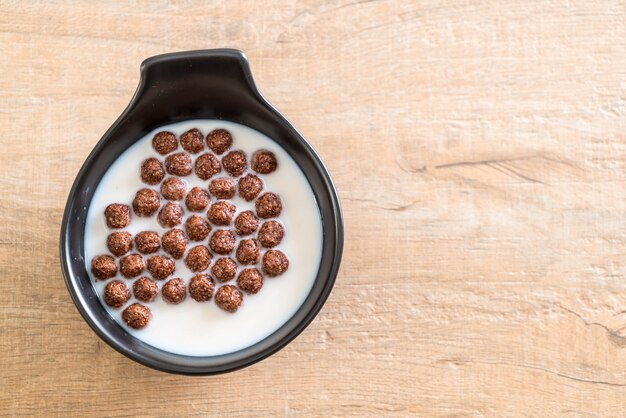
{"x": 152, "y": 171}
{"x": 145, "y": 290}
{"x": 207, "y": 165}
{"x": 221, "y": 212}
{"x": 271, "y": 234}
{"x": 103, "y": 267}
{"x": 174, "y": 243}
{"x": 178, "y": 164}
{"x": 264, "y": 162}
{"x": 198, "y": 258}
{"x": 161, "y": 267}
{"x": 246, "y": 223}
{"x": 275, "y": 263}
{"x": 164, "y": 142}
{"x": 268, "y": 205}
{"x": 222, "y": 241}
{"x": 173, "y": 188}
{"x": 170, "y": 215}
{"x": 224, "y": 269}
{"x": 137, "y": 315}
{"x": 250, "y": 186}
{"x": 201, "y": 288}
{"x": 250, "y": 280}
{"x": 192, "y": 141}
{"x": 119, "y": 243}
{"x": 197, "y": 228}
{"x": 229, "y": 298}
{"x": 219, "y": 140}
{"x": 131, "y": 265}
{"x": 222, "y": 188}
{"x": 146, "y": 202}
{"x": 248, "y": 251}
{"x": 116, "y": 294}
{"x": 197, "y": 199}
{"x": 117, "y": 215}
{"x": 147, "y": 242}
{"x": 235, "y": 163}
{"x": 174, "y": 291}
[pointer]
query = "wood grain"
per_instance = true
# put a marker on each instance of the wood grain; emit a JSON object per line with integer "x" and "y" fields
{"x": 479, "y": 149}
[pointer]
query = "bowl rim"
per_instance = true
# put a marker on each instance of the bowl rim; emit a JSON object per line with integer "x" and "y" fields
{"x": 71, "y": 281}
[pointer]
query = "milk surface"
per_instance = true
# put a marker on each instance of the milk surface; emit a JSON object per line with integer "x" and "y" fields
{"x": 203, "y": 329}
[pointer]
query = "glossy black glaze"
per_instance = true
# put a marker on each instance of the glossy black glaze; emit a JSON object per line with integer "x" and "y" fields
{"x": 208, "y": 84}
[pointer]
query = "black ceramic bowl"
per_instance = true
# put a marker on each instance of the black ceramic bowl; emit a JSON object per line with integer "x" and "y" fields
{"x": 209, "y": 84}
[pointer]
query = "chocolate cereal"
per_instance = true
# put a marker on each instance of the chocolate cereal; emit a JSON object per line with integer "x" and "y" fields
{"x": 119, "y": 243}
{"x": 147, "y": 242}
{"x": 174, "y": 243}
{"x": 116, "y": 294}
{"x": 146, "y": 202}
{"x": 174, "y": 291}
{"x": 192, "y": 141}
{"x": 160, "y": 267}
{"x": 164, "y": 142}
{"x": 228, "y": 298}
{"x": 117, "y": 215}
{"x": 104, "y": 267}
{"x": 219, "y": 140}
{"x": 145, "y": 290}
{"x": 201, "y": 288}
{"x": 137, "y": 316}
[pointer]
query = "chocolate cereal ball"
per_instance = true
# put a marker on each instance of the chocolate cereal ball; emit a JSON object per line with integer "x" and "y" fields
{"x": 274, "y": 262}
{"x": 103, "y": 267}
{"x": 224, "y": 269}
{"x": 192, "y": 141}
{"x": 201, "y": 288}
{"x": 137, "y": 315}
{"x": 119, "y": 243}
{"x": 249, "y": 186}
{"x": 221, "y": 212}
{"x": 178, "y": 164}
{"x": 207, "y": 165}
{"x": 197, "y": 199}
{"x": 222, "y": 188}
{"x": 246, "y": 223}
{"x": 174, "y": 291}
{"x": 145, "y": 289}
{"x": 147, "y": 242}
{"x": 197, "y": 228}
{"x": 222, "y": 241}
{"x": 117, "y": 215}
{"x": 235, "y": 163}
{"x": 170, "y": 215}
{"x": 152, "y": 171}
{"x": 268, "y": 205}
{"x": 248, "y": 251}
{"x": 146, "y": 202}
{"x": 116, "y": 294}
{"x": 228, "y": 298}
{"x": 264, "y": 162}
{"x": 250, "y": 280}
{"x": 164, "y": 142}
{"x": 131, "y": 265}
{"x": 174, "y": 243}
{"x": 173, "y": 188}
{"x": 271, "y": 234}
{"x": 219, "y": 140}
{"x": 161, "y": 267}
{"x": 198, "y": 258}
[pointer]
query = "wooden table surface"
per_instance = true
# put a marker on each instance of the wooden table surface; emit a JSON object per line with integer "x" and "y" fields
{"x": 479, "y": 149}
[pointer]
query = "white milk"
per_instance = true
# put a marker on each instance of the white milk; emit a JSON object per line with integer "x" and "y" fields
{"x": 203, "y": 329}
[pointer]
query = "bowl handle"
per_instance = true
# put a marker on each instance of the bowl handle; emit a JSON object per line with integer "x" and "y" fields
{"x": 179, "y": 86}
